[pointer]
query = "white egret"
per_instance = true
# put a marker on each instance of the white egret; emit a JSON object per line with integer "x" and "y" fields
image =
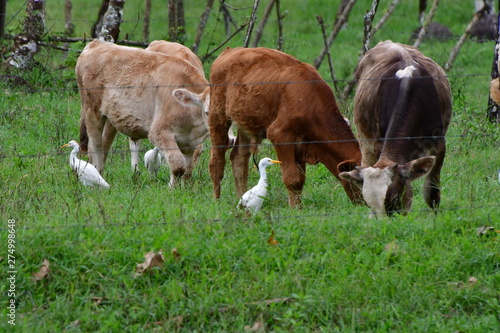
{"x": 86, "y": 172}
{"x": 152, "y": 160}
{"x": 253, "y": 199}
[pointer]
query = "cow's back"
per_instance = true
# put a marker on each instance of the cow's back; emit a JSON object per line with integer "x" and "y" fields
{"x": 176, "y": 50}
{"x": 415, "y": 104}
{"x": 255, "y": 85}
{"x": 133, "y": 85}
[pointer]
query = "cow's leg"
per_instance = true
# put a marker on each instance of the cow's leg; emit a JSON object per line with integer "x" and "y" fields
{"x": 293, "y": 172}
{"x": 192, "y": 160}
{"x": 219, "y": 138}
{"x": 239, "y": 160}
{"x": 95, "y": 128}
{"x": 135, "y": 149}
{"x": 108, "y": 136}
{"x": 171, "y": 152}
{"x": 432, "y": 185}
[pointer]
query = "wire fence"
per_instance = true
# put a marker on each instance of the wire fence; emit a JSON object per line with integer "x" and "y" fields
{"x": 159, "y": 220}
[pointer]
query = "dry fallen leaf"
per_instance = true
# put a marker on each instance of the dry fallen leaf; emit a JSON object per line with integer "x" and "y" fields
{"x": 43, "y": 271}
{"x": 176, "y": 254}
{"x": 271, "y": 240}
{"x": 484, "y": 230}
{"x": 99, "y": 300}
{"x": 472, "y": 280}
{"x": 257, "y": 327}
{"x": 152, "y": 260}
{"x": 178, "y": 321}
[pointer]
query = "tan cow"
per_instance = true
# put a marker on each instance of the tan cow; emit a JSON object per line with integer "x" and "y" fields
{"x": 270, "y": 94}
{"x": 136, "y": 92}
{"x": 175, "y": 50}
{"x": 402, "y": 109}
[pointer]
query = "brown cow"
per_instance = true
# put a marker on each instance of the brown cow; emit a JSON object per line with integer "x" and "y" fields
{"x": 133, "y": 91}
{"x": 402, "y": 109}
{"x": 270, "y": 94}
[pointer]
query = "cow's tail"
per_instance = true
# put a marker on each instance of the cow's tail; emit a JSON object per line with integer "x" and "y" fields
{"x": 84, "y": 138}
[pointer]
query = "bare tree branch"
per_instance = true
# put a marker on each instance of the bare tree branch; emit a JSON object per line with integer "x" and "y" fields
{"x": 428, "y": 20}
{"x": 386, "y": 16}
{"x": 280, "y": 25}
{"x": 260, "y": 29}
{"x": 208, "y": 55}
{"x": 330, "y": 64}
{"x": 203, "y": 24}
{"x": 368, "y": 19}
{"x": 251, "y": 23}
{"x": 340, "y": 21}
{"x": 456, "y": 49}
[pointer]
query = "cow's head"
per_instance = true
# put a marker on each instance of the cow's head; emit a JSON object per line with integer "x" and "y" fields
{"x": 388, "y": 189}
{"x": 189, "y": 99}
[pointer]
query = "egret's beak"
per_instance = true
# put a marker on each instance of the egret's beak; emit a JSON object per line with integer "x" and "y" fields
{"x": 64, "y": 146}
{"x": 275, "y": 161}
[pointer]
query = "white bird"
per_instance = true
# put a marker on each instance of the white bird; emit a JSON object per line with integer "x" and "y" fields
{"x": 152, "y": 160}
{"x": 86, "y": 172}
{"x": 253, "y": 199}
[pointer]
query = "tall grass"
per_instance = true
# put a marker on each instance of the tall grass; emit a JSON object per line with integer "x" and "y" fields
{"x": 333, "y": 269}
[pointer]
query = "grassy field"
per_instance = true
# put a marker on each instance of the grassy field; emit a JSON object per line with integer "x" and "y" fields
{"x": 331, "y": 270}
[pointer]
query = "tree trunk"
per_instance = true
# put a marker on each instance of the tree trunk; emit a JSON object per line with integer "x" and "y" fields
{"x": 201, "y": 27}
{"x": 97, "y": 26}
{"x": 3, "y": 9}
{"x": 176, "y": 22}
{"x": 147, "y": 15}
{"x": 26, "y": 43}
{"x": 68, "y": 24}
{"x": 111, "y": 21}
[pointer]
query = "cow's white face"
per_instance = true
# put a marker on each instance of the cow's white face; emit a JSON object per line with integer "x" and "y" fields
{"x": 388, "y": 189}
{"x": 376, "y": 181}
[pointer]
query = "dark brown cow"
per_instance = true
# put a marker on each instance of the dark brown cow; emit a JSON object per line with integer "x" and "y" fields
{"x": 402, "y": 110}
{"x": 270, "y": 94}
{"x": 133, "y": 91}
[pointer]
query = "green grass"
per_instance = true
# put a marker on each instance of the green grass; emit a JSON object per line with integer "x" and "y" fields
{"x": 338, "y": 270}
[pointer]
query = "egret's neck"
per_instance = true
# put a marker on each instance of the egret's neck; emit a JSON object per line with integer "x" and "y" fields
{"x": 72, "y": 156}
{"x": 263, "y": 176}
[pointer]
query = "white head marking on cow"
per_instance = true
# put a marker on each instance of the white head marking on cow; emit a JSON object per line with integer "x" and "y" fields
{"x": 376, "y": 181}
{"x": 407, "y": 72}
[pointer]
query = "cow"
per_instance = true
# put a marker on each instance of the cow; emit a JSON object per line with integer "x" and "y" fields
{"x": 402, "y": 110}
{"x": 136, "y": 92}
{"x": 175, "y": 50}
{"x": 270, "y": 94}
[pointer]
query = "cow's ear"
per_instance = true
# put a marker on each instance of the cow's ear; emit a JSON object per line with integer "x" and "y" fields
{"x": 346, "y": 166}
{"x": 187, "y": 98}
{"x": 418, "y": 168}
{"x": 353, "y": 176}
